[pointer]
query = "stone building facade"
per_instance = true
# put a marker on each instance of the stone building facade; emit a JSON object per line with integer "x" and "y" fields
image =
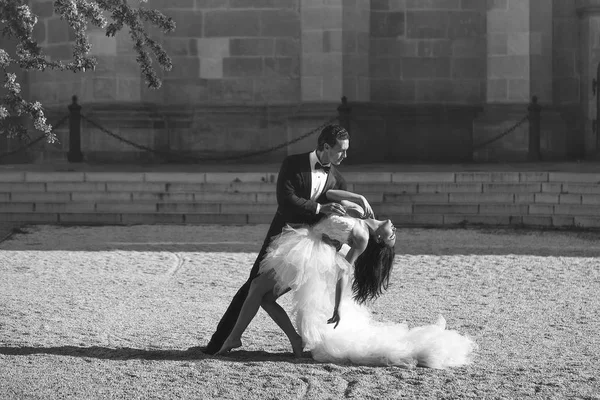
{"x": 427, "y": 80}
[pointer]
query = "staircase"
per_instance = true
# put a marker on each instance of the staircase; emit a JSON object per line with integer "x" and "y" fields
{"x": 537, "y": 199}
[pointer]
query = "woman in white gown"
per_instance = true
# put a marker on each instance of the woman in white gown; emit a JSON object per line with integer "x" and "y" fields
{"x": 329, "y": 292}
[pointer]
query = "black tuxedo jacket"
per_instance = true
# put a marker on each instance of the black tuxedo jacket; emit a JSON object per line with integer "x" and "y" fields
{"x": 293, "y": 191}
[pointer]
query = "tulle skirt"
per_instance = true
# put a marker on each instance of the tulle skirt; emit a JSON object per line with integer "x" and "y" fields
{"x": 301, "y": 261}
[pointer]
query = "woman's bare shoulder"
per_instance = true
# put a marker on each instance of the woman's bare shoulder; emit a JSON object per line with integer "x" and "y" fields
{"x": 360, "y": 234}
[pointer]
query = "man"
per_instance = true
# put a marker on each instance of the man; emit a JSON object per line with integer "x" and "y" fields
{"x": 301, "y": 186}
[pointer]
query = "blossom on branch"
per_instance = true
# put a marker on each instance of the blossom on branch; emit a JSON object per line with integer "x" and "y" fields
{"x": 17, "y": 21}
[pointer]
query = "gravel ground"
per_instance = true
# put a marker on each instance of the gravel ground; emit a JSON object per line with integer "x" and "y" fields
{"x": 110, "y": 312}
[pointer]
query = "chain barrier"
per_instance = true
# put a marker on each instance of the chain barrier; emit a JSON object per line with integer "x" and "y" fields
{"x": 37, "y": 140}
{"x": 500, "y": 136}
{"x": 174, "y": 156}
{"x": 476, "y": 147}
{"x": 179, "y": 157}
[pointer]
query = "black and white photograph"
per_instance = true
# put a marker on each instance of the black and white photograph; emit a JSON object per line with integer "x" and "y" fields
{"x": 299, "y": 199}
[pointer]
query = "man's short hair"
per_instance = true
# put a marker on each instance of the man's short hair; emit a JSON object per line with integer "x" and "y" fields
{"x": 331, "y": 134}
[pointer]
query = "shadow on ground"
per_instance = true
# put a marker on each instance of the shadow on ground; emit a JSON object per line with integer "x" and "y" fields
{"x": 126, "y": 353}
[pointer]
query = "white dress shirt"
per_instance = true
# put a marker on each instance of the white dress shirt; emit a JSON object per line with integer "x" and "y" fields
{"x": 319, "y": 177}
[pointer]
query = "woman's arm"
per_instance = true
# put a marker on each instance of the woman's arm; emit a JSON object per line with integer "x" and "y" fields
{"x": 359, "y": 244}
{"x": 344, "y": 195}
{"x": 342, "y": 281}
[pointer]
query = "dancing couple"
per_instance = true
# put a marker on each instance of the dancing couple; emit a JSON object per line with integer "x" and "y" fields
{"x": 301, "y": 254}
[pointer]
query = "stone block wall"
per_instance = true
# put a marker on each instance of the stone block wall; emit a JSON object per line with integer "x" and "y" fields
{"x": 223, "y": 52}
{"x": 238, "y": 51}
{"x": 428, "y": 51}
{"x": 322, "y": 50}
{"x": 355, "y": 42}
{"x": 335, "y": 50}
{"x": 519, "y": 51}
{"x": 567, "y": 57}
{"x": 117, "y": 75}
{"x": 568, "y": 87}
{"x": 589, "y": 46}
{"x": 250, "y": 74}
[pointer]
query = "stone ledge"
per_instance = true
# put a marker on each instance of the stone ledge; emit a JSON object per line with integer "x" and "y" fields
{"x": 412, "y": 220}
{"x": 427, "y": 203}
{"x": 422, "y": 177}
{"x": 548, "y": 178}
{"x": 44, "y": 177}
{"x": 400, "y": 111}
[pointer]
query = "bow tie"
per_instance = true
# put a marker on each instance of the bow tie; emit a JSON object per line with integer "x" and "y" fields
{"x": 325, "y": 168}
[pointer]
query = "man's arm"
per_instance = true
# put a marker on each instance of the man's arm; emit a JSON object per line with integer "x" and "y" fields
{"x": 343, "y": 196}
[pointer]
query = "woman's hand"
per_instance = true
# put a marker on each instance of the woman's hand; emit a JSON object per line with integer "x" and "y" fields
{"x": 367, "y": 207}
{"x": 335, "y": 319}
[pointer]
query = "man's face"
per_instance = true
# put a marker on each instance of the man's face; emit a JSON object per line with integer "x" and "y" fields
{"x": 337, "y": 153}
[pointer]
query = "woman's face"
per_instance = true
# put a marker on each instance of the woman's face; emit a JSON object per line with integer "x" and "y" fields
{"x": 387, "y": 233}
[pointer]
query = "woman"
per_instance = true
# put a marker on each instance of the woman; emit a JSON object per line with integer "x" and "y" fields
{"x": 324, "y": 283}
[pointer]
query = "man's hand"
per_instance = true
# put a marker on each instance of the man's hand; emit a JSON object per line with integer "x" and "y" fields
{"x": 333, "y": 209}
{"x": 335, "y": 319}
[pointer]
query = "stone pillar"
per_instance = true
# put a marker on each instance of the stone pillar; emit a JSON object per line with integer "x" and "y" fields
{"x": 541, "y": 49}
{"x": 355, "y": 48}
{"x": 519, "y": 66}
{"x": 322, "y": 56}
{"x": 519, "y": 51}
{"x": 589, "y": 26}
{"x": 566, "y": 45}
{"x": 335, "y": 50}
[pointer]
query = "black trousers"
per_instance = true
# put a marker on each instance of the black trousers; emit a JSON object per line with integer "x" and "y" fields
{"x": 232, "y": 313}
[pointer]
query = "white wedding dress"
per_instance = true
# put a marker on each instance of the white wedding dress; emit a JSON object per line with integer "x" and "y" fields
{"x": 302, "y": 261}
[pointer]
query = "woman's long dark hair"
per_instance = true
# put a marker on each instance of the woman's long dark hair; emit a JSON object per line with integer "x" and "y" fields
{"x": 372, "y": 271}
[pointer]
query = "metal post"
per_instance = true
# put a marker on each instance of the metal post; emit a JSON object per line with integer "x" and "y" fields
{"x": 344, "y": 114}
{"x": 535, "y": 111}
{"x": 75, "y": 154}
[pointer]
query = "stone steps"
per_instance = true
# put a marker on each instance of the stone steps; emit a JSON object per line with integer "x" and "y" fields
{"x": 551, "y": 199}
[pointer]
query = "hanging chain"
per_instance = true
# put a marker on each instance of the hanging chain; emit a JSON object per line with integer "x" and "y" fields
{"x": 171, "y": 155}
{"x": 500, "y": 136}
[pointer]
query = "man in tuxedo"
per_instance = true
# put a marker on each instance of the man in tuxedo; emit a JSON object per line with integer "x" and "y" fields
{"x": 301, "y": 186}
